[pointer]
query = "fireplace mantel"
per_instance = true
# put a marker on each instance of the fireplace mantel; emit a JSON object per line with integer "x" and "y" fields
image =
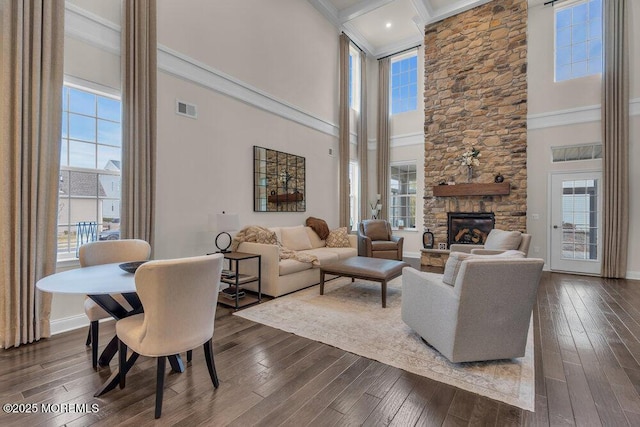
{"x": 497, "y": 189}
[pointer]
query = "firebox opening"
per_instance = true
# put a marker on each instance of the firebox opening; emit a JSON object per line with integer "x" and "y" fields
{"x": 470, "y": 228}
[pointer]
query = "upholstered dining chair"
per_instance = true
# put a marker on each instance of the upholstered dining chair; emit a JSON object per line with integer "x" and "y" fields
{"x": 108, "y": 252}
{"x": 376, "y": 240}
{"x": 179, "y": 297}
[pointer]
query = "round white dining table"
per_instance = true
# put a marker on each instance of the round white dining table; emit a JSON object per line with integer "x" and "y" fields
{"x": 99, "y": 282}
{"x": 94, "y": 280}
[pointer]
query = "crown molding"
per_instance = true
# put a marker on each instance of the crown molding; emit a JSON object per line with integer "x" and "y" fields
{"x": 407, "y": 139}
{"x": 92, "y": 29}
{"x": 573, "y": 116}
{"x": 328, "y": 10}
{"x": 454, "y": 8}
{"x": 395, "y": 141}
{"x": 399, "y": 46}
{"x": 357, "y": 37}
{"x": 361, "y": 8}
{"x": 87, "y": 27}
{"x": 179, "y": 65}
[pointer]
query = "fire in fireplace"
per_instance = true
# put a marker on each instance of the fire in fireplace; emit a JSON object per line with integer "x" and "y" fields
{"x": 469, "y": 228}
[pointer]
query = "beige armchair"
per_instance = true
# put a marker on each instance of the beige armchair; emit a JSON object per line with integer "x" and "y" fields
{"x": 108, "y": 252}
{"x": 375, "y": 240}
{"x": 485, "y": 315}
{"x": 179, "y": 297}
{"x": 497, "y": 242}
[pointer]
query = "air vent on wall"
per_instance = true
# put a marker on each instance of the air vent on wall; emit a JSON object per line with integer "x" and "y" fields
{"x": 185, "y": 109}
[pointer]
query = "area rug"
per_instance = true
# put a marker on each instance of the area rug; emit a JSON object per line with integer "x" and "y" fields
{"x": 350, "y": 316}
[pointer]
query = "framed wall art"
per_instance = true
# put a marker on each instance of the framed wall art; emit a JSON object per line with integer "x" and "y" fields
{"x": 279, "y": 181}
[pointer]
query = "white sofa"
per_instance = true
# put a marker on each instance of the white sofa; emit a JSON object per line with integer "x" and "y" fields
{"x": 281, "y": 277}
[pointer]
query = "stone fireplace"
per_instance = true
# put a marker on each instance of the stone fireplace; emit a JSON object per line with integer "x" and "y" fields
{"x": 469, "y": 228}
{"x": 476, "y": 96}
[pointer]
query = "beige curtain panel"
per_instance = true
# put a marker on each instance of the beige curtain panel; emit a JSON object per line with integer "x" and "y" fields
{"x": 343, "y": 138}
{"x": 383, "y": 135}
{"x": 363, "y": 163}
{"x": 615, "y": 137}
{"x": 31, "y": 70}
{"x": 139, "y": 125}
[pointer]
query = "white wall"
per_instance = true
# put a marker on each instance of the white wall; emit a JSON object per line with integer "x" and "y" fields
{"x": 258, "y": 77}
{"x": 567, "y": 113}
{"x": 205, "y": 166}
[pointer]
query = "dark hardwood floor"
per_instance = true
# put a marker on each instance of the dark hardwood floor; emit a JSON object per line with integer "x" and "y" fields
{"x": 587, "y": 355}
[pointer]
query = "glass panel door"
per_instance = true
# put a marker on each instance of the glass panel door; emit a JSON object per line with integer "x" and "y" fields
{"x": 576, "y": 222}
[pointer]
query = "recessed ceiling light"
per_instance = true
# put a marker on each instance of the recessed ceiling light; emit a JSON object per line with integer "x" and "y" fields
{"x": 388, "y": 25}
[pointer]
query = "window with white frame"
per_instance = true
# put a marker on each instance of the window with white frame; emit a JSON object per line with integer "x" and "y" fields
{"x": 578, "y": 40}
{"x": 402, "y": 200}
{"x": 354, "y": 78}
{"x": 404, "y": 84}
{"x": 90, "y": 164}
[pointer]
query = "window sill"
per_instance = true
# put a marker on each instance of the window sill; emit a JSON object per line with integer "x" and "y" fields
{"x": 67, "y": 264}
{"x": 412, "y": 230}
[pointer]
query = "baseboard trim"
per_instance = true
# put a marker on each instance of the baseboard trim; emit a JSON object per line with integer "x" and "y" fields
{"x": 416, "y": 255}
{"x": 633, "y": 275}
{"x": 71, "y": 323}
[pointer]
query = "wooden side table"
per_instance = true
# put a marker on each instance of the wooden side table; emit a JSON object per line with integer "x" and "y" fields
{"x": 240, "y": 279}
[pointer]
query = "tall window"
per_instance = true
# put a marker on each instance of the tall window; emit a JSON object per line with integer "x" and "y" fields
{"x": 402, "y": 203}
{"x": 404, "y": 84}
{"x": 578, "y": 31}
{"x": 91, "y": 150}
{"x": 354, "y": 79}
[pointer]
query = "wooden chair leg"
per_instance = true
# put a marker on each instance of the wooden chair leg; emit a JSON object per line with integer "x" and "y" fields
{"x": 160, "y": 385}
{"x": 208, "y": 354}
{"x": 189, "y": 355}
{"x": 122, "y": 361}
{"x": 88, "y": 337}
{"x": 94, "y": 343}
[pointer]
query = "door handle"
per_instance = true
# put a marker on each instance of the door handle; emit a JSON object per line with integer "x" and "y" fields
{"x": 555, "y": 226}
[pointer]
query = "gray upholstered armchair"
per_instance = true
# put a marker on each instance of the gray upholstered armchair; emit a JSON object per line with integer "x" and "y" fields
{"x": 375, "y": 240}
{"x": 497, "y": 242}
{"x": 484, "y": 315}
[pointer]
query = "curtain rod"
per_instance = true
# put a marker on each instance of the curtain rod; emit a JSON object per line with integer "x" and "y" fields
{"x": 354, "y": 43}
{"x": 400, "y": 51}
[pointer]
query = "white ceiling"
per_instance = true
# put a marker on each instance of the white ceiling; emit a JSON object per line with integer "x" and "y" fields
{"x": 364, "y": 21}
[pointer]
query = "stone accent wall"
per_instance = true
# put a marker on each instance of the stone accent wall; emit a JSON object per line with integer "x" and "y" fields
{"x": 476, "y": 96}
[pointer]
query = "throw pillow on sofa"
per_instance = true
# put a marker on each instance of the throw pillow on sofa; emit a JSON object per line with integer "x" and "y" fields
{"x": 452, "y": 267}
{"x": 295, "y": 238}
{"x": 502, "y": 240}
{"x": 319, "y": 226}
{"x": 338, "y": 238}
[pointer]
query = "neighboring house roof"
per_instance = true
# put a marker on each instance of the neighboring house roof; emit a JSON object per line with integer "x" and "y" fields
{"x": 113, "y": 165}
{"x": 81, "y": 184}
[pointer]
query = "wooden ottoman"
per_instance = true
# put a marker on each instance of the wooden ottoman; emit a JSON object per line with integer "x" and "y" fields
{"x": 358, "y": 267}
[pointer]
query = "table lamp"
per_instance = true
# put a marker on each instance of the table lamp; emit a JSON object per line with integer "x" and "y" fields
{"x": 224, "y": 224}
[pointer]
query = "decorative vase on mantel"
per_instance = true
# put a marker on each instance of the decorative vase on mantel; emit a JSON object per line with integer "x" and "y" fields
{"x": 469, "y": 173}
